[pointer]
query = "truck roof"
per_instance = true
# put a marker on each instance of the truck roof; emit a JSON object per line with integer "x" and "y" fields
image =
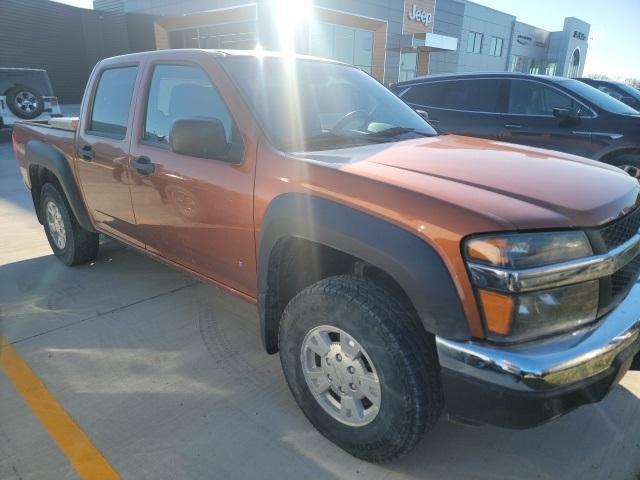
{"x": 227, "y": 53}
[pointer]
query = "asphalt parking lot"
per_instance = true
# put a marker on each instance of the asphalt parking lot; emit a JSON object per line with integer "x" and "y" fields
{"x": 167, "y": 378}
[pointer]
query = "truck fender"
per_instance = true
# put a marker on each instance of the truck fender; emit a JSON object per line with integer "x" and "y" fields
{"x": 38, "y": 153}
{"x": 414, "y": 264}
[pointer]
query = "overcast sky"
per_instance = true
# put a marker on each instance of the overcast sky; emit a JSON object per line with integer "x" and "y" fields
{"x": 614, "y": 28}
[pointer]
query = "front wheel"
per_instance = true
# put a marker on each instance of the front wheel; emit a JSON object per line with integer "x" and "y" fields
{"x": 629, "y": 162}
{"x": 71, "y": 243}
{"x": 360, "y": 366}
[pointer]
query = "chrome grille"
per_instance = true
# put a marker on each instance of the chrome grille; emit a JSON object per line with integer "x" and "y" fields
{"x": 622, "y": 280}
{"x": 613, "y": 235}
{"x": 618, "y": 232}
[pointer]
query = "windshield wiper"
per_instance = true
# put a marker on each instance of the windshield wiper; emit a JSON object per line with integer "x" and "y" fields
{"x": 329, "y": 139}
{"x": 393, "y": 131}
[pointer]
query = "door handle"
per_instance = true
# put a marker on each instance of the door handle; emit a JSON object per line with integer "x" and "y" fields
{"x": 143, "y": 165}
{"x": 513, "y": 126}
{"x": 87, "y": 153}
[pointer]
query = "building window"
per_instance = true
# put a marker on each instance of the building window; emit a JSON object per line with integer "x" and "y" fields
{"x": 519, "y": 64}
{"x": 495, "y": 48}
{"x": 231, "y": 36}
{"x": 537, "y": 67}
{"x": 345, "y": 44}
{"x": 408, "y": 64}
{"x": 551, "y": 68}
{"x": 574, "y": 67}
{"x": 474, "y": 42}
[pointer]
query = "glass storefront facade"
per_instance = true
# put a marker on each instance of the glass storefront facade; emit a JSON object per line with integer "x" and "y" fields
{"x": 345, "y": 44}
{"x": 534, "y": 66}
{"x": 408, "y": 66}
{"x": 234, "y": 36}
{"x": 391, "y": 43}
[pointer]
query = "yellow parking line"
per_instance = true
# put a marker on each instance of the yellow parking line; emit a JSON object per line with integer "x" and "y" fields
{"x": 82, "y": 454}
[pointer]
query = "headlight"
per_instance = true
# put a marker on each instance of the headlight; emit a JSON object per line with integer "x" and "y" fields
{"x": 517, "y": 316}
{"x": 528, "y": 250}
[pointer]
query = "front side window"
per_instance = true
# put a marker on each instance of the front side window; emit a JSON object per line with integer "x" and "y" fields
{"x": 595, "y": 96}
{"x": 110, "y": 111}
{"x": 535, "y": 98}
{"x": 474, "y": 42}
{"x": 178, "y": 92}
{"x": 495, "y": 48}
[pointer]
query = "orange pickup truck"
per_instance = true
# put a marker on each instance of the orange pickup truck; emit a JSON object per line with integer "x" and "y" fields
{"x": 399, "y": 273}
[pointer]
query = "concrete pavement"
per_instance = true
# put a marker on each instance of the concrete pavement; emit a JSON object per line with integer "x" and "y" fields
{"x": 167, "y": 378}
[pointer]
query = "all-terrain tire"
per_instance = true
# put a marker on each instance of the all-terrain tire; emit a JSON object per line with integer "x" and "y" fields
{"x": 79, "y": 245}
{"x": 403, "y": 354}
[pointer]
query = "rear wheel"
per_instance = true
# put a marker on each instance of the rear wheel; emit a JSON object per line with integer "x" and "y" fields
{"x": 360, "y": 366}
{"x": 71, "y": 243}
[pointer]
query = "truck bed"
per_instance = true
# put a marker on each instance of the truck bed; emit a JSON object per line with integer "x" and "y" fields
{"x": 60, "y": 133}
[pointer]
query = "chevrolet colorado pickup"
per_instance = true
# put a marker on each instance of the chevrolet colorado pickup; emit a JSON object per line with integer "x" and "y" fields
{"x": 400, "y": 274}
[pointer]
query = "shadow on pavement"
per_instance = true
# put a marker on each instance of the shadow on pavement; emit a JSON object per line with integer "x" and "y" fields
{"x": 176, "y": 370}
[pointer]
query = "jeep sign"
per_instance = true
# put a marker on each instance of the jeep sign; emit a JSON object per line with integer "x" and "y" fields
{"x": 419, "y": 15}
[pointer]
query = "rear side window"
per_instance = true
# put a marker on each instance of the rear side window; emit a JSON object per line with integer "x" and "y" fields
{"x": 110, "y": 112}
{"x": 535, "y": 98}
{"x": 182, "y": 91}
{"x": 470, "y": 95}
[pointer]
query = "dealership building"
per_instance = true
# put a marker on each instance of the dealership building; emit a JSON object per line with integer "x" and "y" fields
{"x": 391, "y": 39}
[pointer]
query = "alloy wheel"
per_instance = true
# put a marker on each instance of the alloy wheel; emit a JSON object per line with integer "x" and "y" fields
{"x": 56, "y": 225}
{"x": 341, "y": 375}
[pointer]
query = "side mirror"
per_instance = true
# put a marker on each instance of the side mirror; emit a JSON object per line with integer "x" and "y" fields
{"x": 199, "y": 137}
{"x": 423, "y": 114}
{"x": 566, "y": 113}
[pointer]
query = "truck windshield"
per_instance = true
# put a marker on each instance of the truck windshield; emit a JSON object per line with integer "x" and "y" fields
{"x": 314, "y": 105}
{"x": 595, "y": 96}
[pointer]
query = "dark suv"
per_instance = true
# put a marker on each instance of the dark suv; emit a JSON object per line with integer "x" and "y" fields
{"x": 547, "y": 112}
{"x": 618, "y": 90}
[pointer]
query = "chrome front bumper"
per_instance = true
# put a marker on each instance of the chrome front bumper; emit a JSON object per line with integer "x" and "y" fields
{"x": 544, "y": 371}
{"x": 552, "y": 363}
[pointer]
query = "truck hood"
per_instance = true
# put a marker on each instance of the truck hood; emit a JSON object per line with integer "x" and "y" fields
{"x": 517, "y": 186}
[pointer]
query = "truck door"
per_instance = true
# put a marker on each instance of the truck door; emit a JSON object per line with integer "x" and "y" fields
{"x": 197, "y": 212}
{"x": 103, "y": 152}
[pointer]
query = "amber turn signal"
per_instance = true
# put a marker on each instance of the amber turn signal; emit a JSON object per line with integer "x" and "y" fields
{"x": 490, "y": 250}
{"x": 498, "y": 311}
